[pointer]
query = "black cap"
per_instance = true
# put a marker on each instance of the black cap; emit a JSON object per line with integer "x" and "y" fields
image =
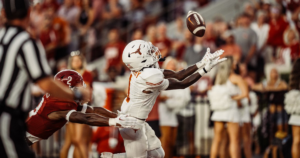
{"x": 16, "y": 9}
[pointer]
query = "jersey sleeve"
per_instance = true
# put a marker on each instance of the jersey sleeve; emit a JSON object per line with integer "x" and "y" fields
{"x": 34, "y": 60}
{"x": 154, "y": 80}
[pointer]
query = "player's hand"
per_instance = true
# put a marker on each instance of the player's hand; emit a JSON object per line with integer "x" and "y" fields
{"x": 213, "y": 63}
{"x": 125, "y": 121}
{"x": 82, "y": 94}
{"x": 119, "y": 113}
{"x": 210, "y": 64}
{"x": 208, "y": 57}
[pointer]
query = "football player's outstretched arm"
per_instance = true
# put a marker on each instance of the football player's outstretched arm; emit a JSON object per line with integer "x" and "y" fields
{"x": 93, "y": 119}
{"x": 175, "y": 84}
{"x": 58, "y": 90}
{"x": 181, "y": 75}
{"x": 97, "y": 110}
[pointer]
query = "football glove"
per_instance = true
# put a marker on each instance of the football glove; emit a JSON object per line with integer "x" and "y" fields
{"x": 209, "y": 56}
{"x": 209, "y": 65}
{"x": 126, "y": 121}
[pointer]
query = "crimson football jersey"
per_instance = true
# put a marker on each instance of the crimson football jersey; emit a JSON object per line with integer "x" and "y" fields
{"x": 38, "y": 123}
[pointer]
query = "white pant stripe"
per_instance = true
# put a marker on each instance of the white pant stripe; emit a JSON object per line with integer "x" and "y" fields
{"x": 5, "y": 121}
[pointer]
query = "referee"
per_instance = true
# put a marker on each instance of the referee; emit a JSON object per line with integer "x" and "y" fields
{"x": 22, "y": 61}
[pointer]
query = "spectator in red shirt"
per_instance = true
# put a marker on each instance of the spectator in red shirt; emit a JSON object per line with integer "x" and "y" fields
{"x": 108, "y": 139}
{"x": 292, "y": 5}
{"x": 277, "y": 26}
{"x": 163, "y": 43}
{"x": 113, "y": 50}
{"x": 291, "y": 41}
{"x": 55, "y": 35}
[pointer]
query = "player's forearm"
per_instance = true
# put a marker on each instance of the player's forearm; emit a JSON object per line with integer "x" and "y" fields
{"x": 181, "y": 75}
{"x": 55, "y": 89}
{"x": 173, "y": 84}
{"x": 190, "y": 80}
{"x": 91, "y": 119}
{"x": 103, "y": 112}
{"x": 186, "y": 72}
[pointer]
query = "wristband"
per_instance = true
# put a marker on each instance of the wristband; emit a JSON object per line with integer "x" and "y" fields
{"x": 77, "y": 95}
{"x": 112, "y": 122}
{"x": 68, "y": 114}
{"x": 202, "y": 72}
{"x": 84, "y": 107}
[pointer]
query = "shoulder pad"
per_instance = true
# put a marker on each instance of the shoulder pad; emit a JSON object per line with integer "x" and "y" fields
{"x": 149, "y": 72}
{"x": 152, "y": 75}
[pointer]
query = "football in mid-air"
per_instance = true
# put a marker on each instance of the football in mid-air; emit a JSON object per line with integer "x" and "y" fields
{"x": 195, "y": 23}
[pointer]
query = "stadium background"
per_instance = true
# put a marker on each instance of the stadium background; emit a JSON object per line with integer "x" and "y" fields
{"x": 100, "y": 29}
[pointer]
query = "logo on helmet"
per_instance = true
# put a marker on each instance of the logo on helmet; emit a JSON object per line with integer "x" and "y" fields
{"x": 138, "y": 51}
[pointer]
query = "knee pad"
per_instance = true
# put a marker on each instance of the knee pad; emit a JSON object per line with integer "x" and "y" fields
{"x": 157, "y": 153}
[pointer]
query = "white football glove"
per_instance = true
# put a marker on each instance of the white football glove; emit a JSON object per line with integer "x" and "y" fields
{"x": 209, "y": 56}
{"x": 209, "y": 65}
{"x": 126, "y": 121}
{"x": 120, "y": 113}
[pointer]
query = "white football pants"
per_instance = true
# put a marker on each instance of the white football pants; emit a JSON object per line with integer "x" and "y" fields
{"x": 141, "y": 143}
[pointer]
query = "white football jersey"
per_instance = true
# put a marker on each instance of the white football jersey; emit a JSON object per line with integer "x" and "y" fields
{"x": 138, "y": 103}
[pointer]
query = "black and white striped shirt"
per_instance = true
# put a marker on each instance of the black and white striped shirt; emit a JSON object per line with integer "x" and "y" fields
{"x": 22, "y": 61}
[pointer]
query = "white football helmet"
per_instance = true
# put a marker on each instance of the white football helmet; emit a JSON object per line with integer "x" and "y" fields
{"x": 139, "y": 54}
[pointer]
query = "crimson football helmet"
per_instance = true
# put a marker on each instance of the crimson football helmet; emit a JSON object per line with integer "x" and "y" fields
{"x": 70, "y": 78}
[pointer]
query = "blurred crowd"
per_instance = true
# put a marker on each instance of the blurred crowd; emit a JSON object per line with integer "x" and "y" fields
{"x": 261, "y": 43}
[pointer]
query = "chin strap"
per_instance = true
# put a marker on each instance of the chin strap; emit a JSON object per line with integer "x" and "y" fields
{"x": 162, "y": 59}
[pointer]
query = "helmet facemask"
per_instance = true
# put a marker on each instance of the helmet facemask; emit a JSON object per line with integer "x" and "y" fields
{"x": 155, "y": 53}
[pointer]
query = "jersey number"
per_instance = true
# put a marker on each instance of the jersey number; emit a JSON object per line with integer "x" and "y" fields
{"x": 69, "y": 80}
{"x": 34, "y": 112}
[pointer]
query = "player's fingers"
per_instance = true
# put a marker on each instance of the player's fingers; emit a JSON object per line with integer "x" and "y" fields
{"x": 221, "y": 60}
{"x": 216, "y": 54}
{"x": 211, "y": 57}
{"x": 208, "y": 50}
{"x": 219, "y": 52}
